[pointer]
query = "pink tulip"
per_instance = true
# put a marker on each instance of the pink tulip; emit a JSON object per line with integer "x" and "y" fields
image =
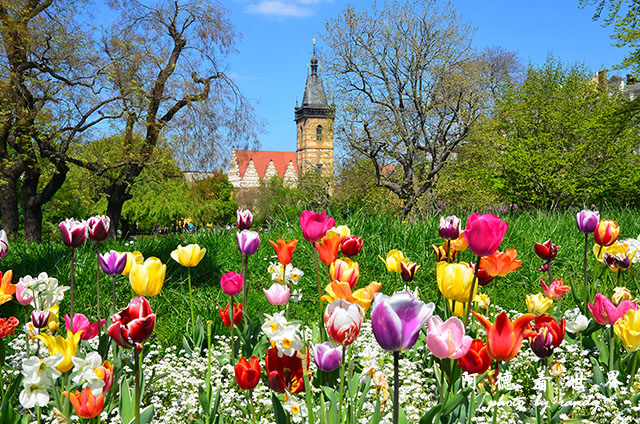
{"x": 447, "y": 339}
{"x": 555, "y": 290}
{"x": 484, "y": 233}
{"x": 20, "y": 294}
{"x": 81, "y": 322}
{"x": 231, "y": 283}
{"x": 278, "y": 294}
{"x": 315, "y": 225}
{"x": 606, "y": 313}
{"x": 343, "y": 321}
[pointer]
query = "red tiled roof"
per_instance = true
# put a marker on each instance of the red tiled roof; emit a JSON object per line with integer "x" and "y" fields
{"x": 261, "y": 159}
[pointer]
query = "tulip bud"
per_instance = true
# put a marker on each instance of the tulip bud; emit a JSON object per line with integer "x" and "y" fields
{"x": 546, "y": 251}
{"x": 542, "y": 344}
{"x": 351, "y": 245}
{"x": 327, "y": 356}
{"x": 606, "y": 232}
{"x": 98, "y": 228}
{"x": 538, "y": 303}
{"x": 587, "y": 220}
{"x": 449, "y": 228}
{"x": 248, "y": 242}
{"x": 231, "y": 283}
{"x": 278, "y": 294}
{"x": 244, "y": 219}
{"x": 555, "y": 290}
{"x": 237, "y": 314}
{"x": 73, "y": 232}
{"x": 4, "y": 244}
{"x": 247, "y": 372}
{"x": 40, "y": 319}
{"x": 556, "y": 369}
{"x": 408, "y": 270}
{"x": 620, "y": 294}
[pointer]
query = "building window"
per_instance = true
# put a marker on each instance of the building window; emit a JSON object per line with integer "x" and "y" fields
{"x": 319, "y": 133}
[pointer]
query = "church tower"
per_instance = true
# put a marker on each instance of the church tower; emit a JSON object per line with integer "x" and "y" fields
{"x": 314, "y": 123}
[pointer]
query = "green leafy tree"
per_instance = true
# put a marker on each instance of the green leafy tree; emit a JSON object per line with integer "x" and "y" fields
{"x": 211, "y": 200}
{"x": 564, "y": 140}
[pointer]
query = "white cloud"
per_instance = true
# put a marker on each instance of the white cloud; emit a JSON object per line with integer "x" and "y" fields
{"x": 279, "y": 9}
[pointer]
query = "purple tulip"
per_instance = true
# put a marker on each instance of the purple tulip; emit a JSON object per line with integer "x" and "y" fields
{"x": 245, "y": 219}
{"x": 587, "y": 221}
{"x": 327, "y": 356}
{"x": 73, "y": 232}
{"x": 113, "y": 263}
{"x": 449, "y": 228}
{"x": 248, "y": 242}
{"x": 98, "y": 227}
{"x": 40, "y": 319}
{"x": 542, "y": 344}
{"x": 397, "y": 320}
{"x": 4, "y": 244}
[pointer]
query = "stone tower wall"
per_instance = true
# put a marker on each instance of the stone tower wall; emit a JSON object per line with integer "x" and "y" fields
{"x": 311, "y": 151}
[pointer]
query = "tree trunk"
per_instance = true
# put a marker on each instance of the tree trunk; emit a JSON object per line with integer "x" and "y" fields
{"x": 117, "y": 194}
{"x": 9, "y": 205}
{"x": 33, "y": 200}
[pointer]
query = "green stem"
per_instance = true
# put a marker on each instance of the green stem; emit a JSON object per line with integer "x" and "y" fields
{"x": 244, "y": 287}
{"x": 72, "y": 287}
{"x": 396, "y": 387}
{"x": 449, "y": 258}
{"x": 495, "y": 406}
{"x": 586, "y": 278}
{"x": 307, "y": 387}
{"x": 137, "y": 388}
{"x": 549, "y": 271}
{"x": 344, "y": 351}
{"x": 472, "y": 401}
{"x": 618, "y": 278}
{"x": 98, "y": 277}
{"x": 473, "y": 285}
{"x": 208, "y": 381}
{"x": 251, "y": 407}
{"x": 612, "y": 344}
{"x": 113, "y": 306}
{"x": 233, "y": 353}
{"x": 315, "y": 261}
{"x": 193, "y": 321}
{"x": 38, "y": 414}
{"x": 441, "y": 397}
{"x": 634, "y": 367}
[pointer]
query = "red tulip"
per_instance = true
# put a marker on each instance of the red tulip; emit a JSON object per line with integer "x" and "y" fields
{"x": 555, "y": 290}
{"x": 484, "y": 233}
{"x": 484, "y": 277}
{"x": 315, "y": 225}
{"x": 476, "y": 360}
{"x": 134, "y": 324}
{"x": 504, "y": 338}
{"x": 237, "y": 314}
{"x": 351, "y": 245}
{"x": 284, "y": 372}
{"x": 546, "y": 251}
{"x": 105, "y": 373}
{"x": 247, "y": 372}
{"x": 284, "y": 250}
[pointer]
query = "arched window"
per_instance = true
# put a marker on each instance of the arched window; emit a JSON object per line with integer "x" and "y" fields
{"x": 319, "y": 133}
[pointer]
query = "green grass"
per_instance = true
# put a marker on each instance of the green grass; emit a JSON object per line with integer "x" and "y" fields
{"x": 380, "y": 235}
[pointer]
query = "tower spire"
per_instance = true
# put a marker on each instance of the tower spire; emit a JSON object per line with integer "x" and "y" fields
{"x": 314, "y": 60}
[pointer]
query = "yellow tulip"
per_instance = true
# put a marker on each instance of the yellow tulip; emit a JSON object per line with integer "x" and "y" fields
{"x": 538, "y": 303}
{"x": 615, "y": 248}
{"x": 54, "y": 319}
{"x": 394, "y": 257}
{"x": 620, "y": 294}
{"x": 628, "y": 329}
{"x": 459, "y": 244}
{"x": 482, "y": 300}
{"x": 454, "y": 280}
{"x": 132, "y": 258}
{"x": 343, "y": 230}
{"x": 147, "y": 278}
{"x": 188, "y": 256}
{"x": 67, "y": 347}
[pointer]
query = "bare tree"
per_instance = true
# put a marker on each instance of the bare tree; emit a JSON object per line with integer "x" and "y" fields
{"x": 408, "y": 87}
{"x": 167, "y": 67}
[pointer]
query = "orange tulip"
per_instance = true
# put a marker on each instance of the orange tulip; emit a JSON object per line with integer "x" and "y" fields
{"x": 342, "y": 290}
{"x": 501, "y": 263}
{"x": 504, "y": 338}
{"x": 284, "y": 250}
{"x": 86, "y": 404}
{"x": 6, "y": 288}
{"x": 328, "y": 247}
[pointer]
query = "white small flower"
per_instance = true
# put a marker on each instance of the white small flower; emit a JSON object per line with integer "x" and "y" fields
{"x": 296, "y": 408}
{"x": 296, "y": 296}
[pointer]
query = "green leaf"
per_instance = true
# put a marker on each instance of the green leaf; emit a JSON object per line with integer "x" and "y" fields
{"x": 279, "y": 414}
{"x": 430, "y": 415}
{"x": 125, "y": 407}
{"x": 146, "y": 416}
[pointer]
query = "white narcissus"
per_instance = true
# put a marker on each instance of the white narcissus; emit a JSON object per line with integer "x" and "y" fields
{"x": 296, "y": 408}
{"x": 343, "y": 321}
{"x": 287, "y": 340}
{"x": 274, "y": 324}
{"x": 85, "y": 370}
{"x": 36, "y": 379}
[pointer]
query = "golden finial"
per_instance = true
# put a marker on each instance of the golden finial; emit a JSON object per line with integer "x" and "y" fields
{"x": 314, "y": 41}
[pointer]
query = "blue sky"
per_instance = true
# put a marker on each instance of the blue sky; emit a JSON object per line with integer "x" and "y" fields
{"x": 275, "y": 46}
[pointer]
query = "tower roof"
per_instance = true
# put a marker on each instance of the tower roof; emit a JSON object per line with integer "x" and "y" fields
{"x": 314, "y": 101}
